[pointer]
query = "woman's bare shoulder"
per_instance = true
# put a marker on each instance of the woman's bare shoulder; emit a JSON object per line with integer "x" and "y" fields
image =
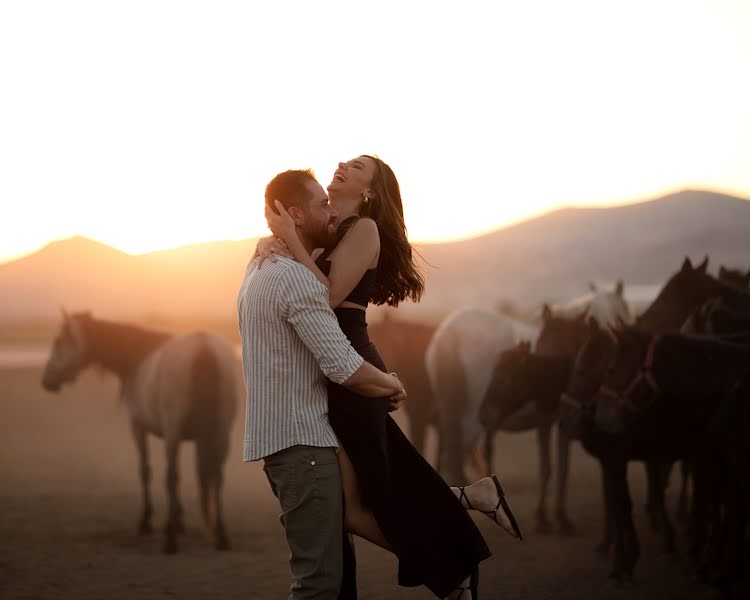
{"x": 363, "y": 229}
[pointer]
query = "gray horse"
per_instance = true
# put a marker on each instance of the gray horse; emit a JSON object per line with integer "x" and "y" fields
{"x": 175, "y": 387}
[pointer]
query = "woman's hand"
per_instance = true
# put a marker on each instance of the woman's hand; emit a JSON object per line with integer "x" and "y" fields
{"x": 398, "y": 399}
{"x": 281, "y": 225}
{"x": 270, "y": 247}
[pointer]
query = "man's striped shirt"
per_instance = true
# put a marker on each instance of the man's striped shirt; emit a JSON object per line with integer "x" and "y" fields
{"x": 291, "y": 341}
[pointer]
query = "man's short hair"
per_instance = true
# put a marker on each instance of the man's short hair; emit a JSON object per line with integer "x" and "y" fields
{"x": 289, "y": 188}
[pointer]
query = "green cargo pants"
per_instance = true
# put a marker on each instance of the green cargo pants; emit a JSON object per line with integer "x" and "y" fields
{"x": 307, "y": 482}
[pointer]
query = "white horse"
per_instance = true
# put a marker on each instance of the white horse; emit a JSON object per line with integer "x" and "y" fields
{"x": 605, "y": 307}
{"x": 459, "y": 360}
{"x": 175, "y": 387}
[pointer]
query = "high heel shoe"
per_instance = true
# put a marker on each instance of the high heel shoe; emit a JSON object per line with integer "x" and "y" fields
{"x": 493, "y": 513}
{"x": 472, "y": 588}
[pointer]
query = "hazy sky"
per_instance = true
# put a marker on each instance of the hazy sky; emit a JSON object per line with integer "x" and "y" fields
{"x": 153, "y": 124}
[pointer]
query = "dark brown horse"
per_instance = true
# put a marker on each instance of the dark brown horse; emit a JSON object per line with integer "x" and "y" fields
{"x": 707, "y": 382}
{"x": 735, "y": 277}
{"x": 175, "y": 387}
{"x": 683, "y": 293}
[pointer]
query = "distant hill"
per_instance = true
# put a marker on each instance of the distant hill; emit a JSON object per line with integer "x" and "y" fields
{"x": 549, "y": 258}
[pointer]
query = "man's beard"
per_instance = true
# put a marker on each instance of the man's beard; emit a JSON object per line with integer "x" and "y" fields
{"x": 322, "y": 237}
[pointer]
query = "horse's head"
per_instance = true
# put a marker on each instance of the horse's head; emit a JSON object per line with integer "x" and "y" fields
{"x": 700, "y": 320}
{"x": 70, "y": 352}
{"x": 735, "y": 277}
{"x": 590, "y": 366}
{"x": 687, "y": 289}
{"x": 508, "y": 389}
{"x": 561, "y": 336}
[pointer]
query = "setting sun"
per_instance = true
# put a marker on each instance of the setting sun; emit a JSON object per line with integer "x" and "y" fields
{"x": 151, "y": 126}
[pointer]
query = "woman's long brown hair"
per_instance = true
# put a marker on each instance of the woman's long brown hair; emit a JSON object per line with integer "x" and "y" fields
{"x": 398, "y": 277}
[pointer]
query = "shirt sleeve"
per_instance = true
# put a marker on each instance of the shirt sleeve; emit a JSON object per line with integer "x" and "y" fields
{"x": 305, "y": 307}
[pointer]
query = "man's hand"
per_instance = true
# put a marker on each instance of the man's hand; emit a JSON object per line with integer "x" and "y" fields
{"x": 397, "y": 399}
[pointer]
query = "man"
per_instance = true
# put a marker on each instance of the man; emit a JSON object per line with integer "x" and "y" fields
{"x": 290, "y": 340}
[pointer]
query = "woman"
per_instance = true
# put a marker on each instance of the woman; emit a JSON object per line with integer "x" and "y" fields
{"x": 392, "y": 496}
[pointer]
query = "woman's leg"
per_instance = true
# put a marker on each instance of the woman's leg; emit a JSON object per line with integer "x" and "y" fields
{"x": 357, "y": 519}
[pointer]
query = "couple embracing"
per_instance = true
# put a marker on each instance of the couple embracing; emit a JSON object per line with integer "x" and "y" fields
{"x": 319, "y": 394}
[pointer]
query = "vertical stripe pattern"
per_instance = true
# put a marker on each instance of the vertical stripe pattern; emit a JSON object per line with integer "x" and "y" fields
{"x": 291, "y": 341}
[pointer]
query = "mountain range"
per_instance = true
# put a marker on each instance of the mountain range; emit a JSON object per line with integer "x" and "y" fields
{"x": 546, "y": 259}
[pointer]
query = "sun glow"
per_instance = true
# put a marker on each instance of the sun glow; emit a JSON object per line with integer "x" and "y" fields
{"x": 148, "y": 125}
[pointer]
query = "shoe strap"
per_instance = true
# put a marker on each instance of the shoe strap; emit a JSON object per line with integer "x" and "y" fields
{"x": 465, "y": 497}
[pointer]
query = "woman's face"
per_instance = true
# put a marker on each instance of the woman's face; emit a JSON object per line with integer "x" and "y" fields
{"x": 352, "y": 179}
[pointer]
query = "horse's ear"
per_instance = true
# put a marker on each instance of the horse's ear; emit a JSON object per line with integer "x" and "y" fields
{"x": 703, "y": 266}
{"x": 546, "y": 313}
{"x": 620, "y": 288}
{"x": 592, "y": 286}
{"x": 722, "y": 271}
{"x": 687, "y": 265}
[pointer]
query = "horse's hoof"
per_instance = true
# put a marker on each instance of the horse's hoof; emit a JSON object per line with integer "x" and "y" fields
{"x": 620, "y": 581}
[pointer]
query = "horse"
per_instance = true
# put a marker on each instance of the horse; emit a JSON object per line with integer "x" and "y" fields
{"x": 523, "y": 394}
{"x": 587, "y": 416}
{"x": 175, "y": 387}
{"x": 403, "y": 345}
{"x": 602, "y": 305}
{"x": 714, "y": 317}
{"x": 561, "y": 337}
{"x": 696, "y": 382}
{"x": 735, "y": 277}
{"x": 684, "y": 292}
{"x": 459, "y": 361}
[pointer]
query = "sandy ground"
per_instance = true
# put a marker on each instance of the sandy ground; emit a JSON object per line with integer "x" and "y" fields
{"x": 70, "y": 500}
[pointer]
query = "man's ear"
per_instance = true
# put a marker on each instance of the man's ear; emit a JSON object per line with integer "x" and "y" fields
{"x": 297, "y": 215}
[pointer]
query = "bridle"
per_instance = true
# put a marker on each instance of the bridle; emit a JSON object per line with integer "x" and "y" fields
{"x": 645, "y": 373}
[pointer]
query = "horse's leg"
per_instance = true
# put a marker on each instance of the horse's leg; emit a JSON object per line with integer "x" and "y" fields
{"x": 653, "y": 479}
{"x": 175, "y": 510}
{"x": 626, "y": 540}
{"x": 609, "y": 525}
{"x": 543, "y": 439}
{"x": 658, "y": 474}
{"x": 139, "y": 435}
{"x": 632, "y": 548}
{"x": 210, "y": 456}
{"x": 563, "y": 458}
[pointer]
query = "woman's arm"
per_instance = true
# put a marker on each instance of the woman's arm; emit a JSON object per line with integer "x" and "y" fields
{"x": 269, "y": 247}
{"x": 357, "y": 252}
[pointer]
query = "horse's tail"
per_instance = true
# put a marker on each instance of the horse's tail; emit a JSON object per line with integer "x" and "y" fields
{"x": 211, "y": 442}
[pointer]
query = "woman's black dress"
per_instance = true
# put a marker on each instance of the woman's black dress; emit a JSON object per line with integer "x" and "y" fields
{"x": 435, "y": 540}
